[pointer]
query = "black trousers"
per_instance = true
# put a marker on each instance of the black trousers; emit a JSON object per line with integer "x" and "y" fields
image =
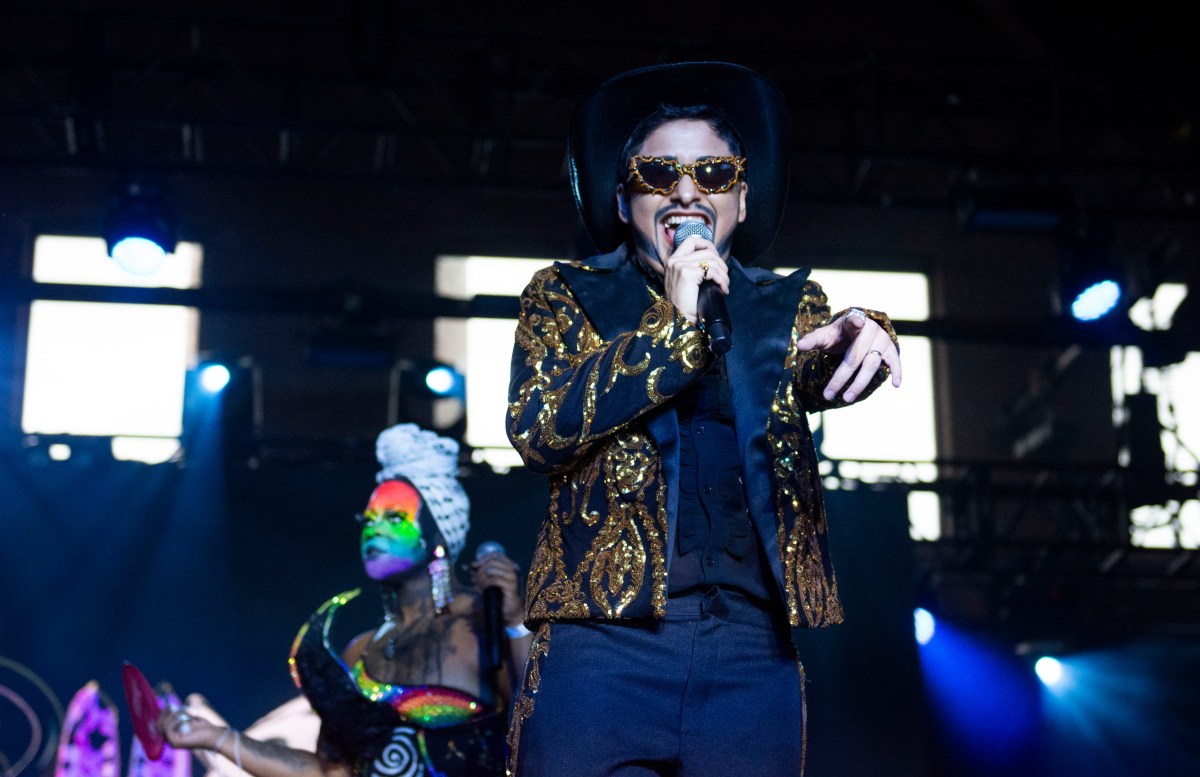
{"x": 713, "y": 688}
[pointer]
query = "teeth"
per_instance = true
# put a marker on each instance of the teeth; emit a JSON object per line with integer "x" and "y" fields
{"x": 675, "y": 221}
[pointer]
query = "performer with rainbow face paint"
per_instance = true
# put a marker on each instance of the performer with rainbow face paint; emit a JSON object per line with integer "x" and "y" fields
{"x": 391, "y": 537}
{"x": 414, "y": 696}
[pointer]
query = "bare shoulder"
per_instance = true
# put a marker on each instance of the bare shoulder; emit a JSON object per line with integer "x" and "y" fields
{"x": 356, "y": 648}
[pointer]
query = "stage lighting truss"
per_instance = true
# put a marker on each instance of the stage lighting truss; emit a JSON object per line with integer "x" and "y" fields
{"x": 140, "y": 230}
{"x": 1021, "y": 209}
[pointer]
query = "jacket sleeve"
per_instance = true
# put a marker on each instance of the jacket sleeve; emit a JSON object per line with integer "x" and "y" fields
{"x": 812, "y": 370}
{"x": 569, "y": 388}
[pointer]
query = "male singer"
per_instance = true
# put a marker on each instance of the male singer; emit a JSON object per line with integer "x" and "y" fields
{"x": 686, "y": 530}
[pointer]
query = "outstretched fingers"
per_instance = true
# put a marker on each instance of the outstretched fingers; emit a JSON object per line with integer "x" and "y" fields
{"x": 869, "y": 348}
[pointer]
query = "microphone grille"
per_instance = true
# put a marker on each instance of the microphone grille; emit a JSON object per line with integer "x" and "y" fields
{"x": 689, "y": 228}
{"x": 488, "y": 547}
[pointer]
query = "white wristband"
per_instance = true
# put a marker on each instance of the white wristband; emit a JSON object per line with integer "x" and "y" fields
{"x": 518, "y": 631}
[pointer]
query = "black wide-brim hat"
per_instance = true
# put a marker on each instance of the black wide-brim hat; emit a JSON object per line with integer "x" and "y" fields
{"x": 752, "y": 104}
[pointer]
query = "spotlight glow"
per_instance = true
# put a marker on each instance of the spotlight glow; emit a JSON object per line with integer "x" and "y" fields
{"x": 924, "y": 624}
{"x": 214, "y": 377}
{"x": 1096, "y": 300}
{"x": 441, "y": 380}
{"x": 1049, "y": 670}
{"x": 59, "y": 451}
{"x": 138, "y": 256}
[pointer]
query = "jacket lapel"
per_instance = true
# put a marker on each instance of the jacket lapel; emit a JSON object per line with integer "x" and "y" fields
{"x": 611, "y": 291}
{"x": 762, "y": 307}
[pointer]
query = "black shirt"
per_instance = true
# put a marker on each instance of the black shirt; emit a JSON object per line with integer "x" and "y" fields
{"x": 715, "y": 543}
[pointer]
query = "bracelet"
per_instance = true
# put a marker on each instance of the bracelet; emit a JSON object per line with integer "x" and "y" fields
{"x": 518, "y": 631}
{"x": 221, "y": 740}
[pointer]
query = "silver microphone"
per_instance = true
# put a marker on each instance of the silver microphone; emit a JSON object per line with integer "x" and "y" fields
{"x": 710, "y": 304}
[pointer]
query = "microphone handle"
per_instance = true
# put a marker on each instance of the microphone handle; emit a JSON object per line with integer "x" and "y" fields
{"x": 714, "y": 317}
{"x": 493, "y": 598}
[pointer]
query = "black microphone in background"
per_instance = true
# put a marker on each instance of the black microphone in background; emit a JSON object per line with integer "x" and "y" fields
{"x": 493, "y": 609}
{"x": 710, "y": 305}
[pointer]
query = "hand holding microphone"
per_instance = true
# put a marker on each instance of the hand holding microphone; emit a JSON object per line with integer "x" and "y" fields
{"x": 496, "y": 576}
{"x": 710, "y": 302}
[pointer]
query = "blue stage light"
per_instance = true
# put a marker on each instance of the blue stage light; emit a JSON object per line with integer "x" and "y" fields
{"x": 1090, "y": 277}
{"x": 214, "y": 377}
{"x": 1049, "y": 671}
{"x": 442, "y": 380}
{"x": 982, "y": 697}
{"x": 924, "y": 624}
{"x": 140, "y": 229}
{"x": 1096, "y": 300}
{"x": 138, "y": 255}
{"x": 427, "y": 379}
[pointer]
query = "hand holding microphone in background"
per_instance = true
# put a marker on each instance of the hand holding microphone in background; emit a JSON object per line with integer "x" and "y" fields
{"x": 495, "y": 575}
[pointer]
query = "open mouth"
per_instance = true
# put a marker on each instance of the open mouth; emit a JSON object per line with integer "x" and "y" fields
{"x": 672, "y": 222}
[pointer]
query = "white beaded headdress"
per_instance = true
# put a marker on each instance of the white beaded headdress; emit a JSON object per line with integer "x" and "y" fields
{"x": 431, "y": 463}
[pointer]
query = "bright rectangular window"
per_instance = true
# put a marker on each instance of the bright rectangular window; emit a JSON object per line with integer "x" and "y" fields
{"x": 481, "y": 348}
{"x": 108, "y": 369}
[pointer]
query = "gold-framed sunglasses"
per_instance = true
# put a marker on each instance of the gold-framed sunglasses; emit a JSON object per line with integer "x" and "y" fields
{"x": 713, "y": 175}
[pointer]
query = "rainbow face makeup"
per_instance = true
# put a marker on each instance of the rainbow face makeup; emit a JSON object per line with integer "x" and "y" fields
{"x": 391, "y": 541}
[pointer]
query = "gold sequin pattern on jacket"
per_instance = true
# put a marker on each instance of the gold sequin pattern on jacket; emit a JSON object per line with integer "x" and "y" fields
{"x": 526, "y": 696}
{"x": 809, "y": 581}
{"x": 600, "y": 551}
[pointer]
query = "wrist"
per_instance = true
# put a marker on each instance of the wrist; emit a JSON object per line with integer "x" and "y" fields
{"x": 219, "y": 739}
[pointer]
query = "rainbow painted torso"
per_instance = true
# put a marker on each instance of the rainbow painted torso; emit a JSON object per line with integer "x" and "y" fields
{"x": 427, "y": 706}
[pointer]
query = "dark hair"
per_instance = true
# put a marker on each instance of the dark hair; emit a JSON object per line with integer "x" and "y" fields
{"x": 666, "y": 113}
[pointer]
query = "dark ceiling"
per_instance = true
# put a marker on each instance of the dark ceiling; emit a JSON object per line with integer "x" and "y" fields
{"x": 893, "y": 103}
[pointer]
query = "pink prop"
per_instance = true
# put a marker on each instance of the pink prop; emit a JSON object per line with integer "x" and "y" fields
{"x": 143, "y": 710}
{"x": 88, "y": 747}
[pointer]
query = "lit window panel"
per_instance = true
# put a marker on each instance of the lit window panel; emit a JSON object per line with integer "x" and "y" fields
{"x": 108, "y": 369}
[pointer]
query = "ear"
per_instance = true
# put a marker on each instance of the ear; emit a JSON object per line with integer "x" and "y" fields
{"x": 743, "y": 188}
{"x": 622, "y": 204}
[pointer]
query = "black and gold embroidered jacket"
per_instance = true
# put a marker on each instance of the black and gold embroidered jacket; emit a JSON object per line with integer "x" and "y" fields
{"x": 598, "y": 357}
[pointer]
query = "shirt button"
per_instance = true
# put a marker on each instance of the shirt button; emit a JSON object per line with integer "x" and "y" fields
{"x": 709, "y": 560}
{"x": 700, "y": 429}
{"x": 708, "y": 489}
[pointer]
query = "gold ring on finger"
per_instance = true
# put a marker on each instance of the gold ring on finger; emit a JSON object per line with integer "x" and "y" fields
{"x": 704, "y": 268}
